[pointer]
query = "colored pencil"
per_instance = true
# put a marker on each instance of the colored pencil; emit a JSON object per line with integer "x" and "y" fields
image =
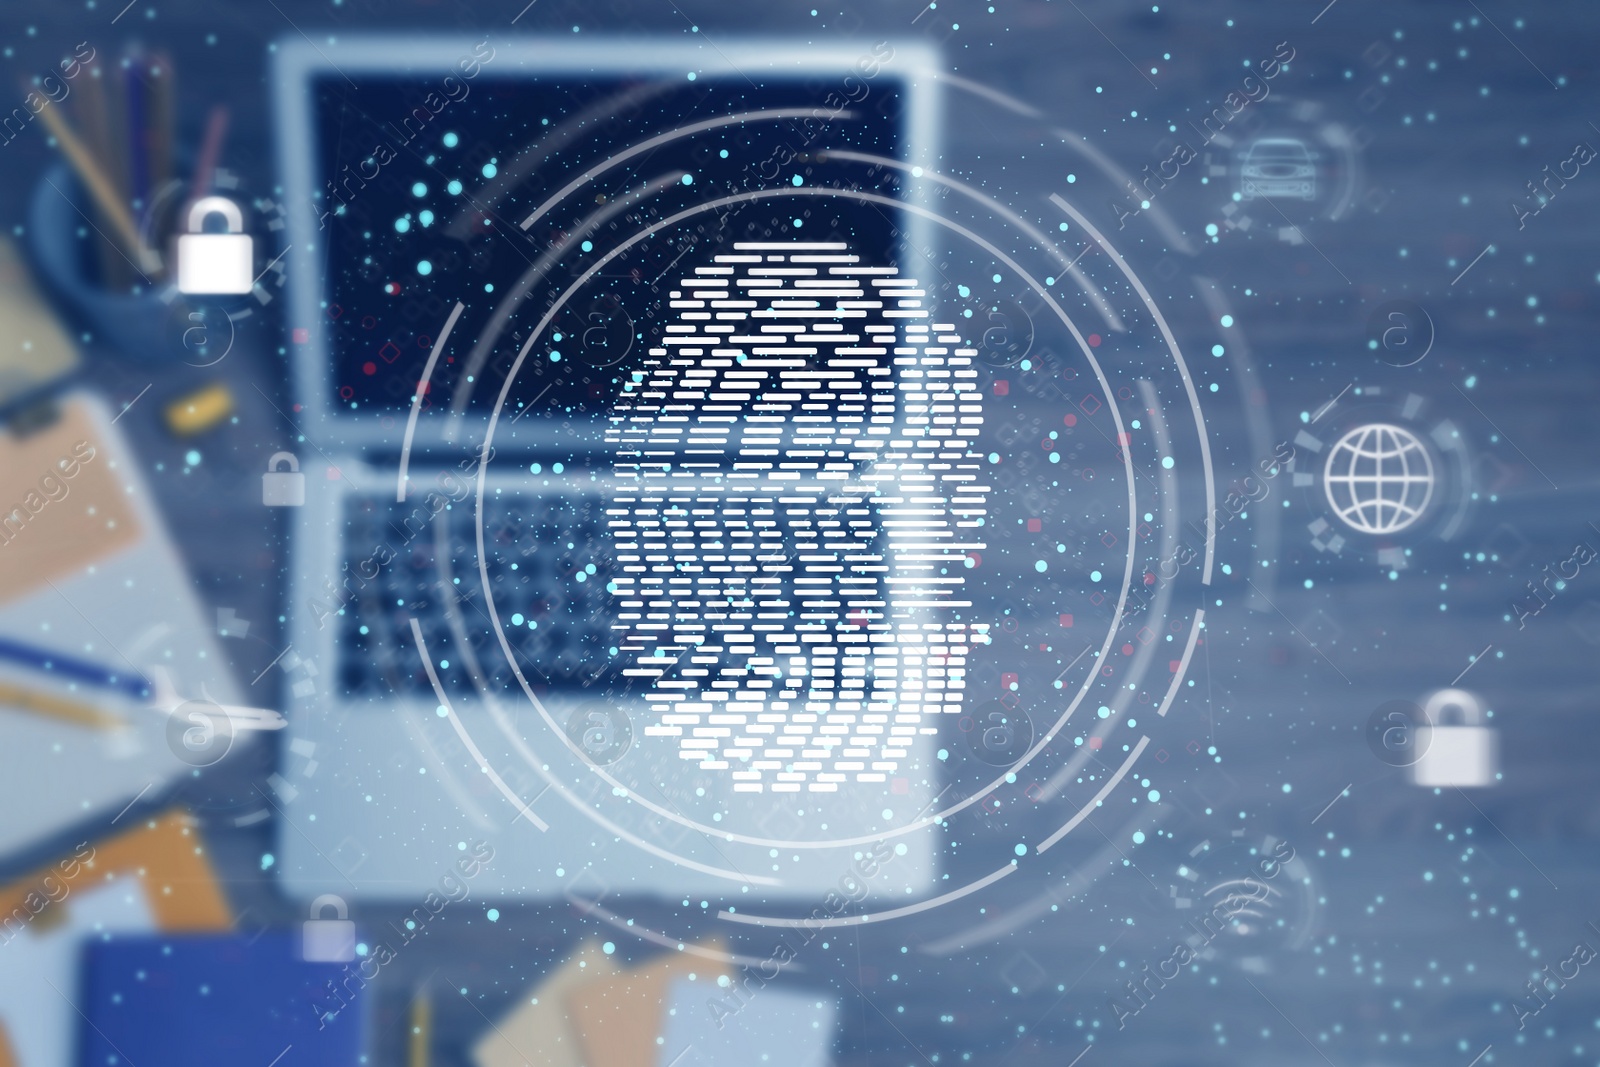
{"x": 94, "y": 116}
{"x": 100, "y": 187}
{"x": 80, "y": 714}
{"x": 419, "y": 1047}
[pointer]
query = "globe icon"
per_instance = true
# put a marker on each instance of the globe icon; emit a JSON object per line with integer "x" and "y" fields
{"x": 1378, "y": 478}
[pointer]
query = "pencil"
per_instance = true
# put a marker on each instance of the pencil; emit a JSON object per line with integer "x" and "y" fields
{"x": 205, "y": 164}
{"x": 163, "y": 102}
{"x": 138, "y": 122}
{"x": 419, "y": 1047}
{"x": 94, "y": 115}
{"x": 55, "y": 707}
{"x": 100, "y": 188}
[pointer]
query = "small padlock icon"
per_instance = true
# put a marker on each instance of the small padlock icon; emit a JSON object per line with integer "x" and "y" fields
{"x": 328, "y": 940}
{"x": 283, "y": 489}
{"x": 1464, "y": 756}
{"x": 215, "y": 263}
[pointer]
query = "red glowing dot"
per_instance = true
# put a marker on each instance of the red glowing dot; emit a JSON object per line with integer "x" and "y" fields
{"x": 369, "y": 367}
{"x": 1070, "y": 419}
{"x": 392, "y": 288}
{"x": 1094, "y": 340}
{"x": 1127, "y": 650}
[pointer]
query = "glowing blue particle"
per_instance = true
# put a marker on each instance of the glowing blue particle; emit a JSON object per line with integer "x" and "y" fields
{"x": 1166, "y": 462}
{"x": 490, "y": 170}
{"x": 1227, "y": 320}
{"x": 1021, "y": 850}
{"x": 1041, "y": 566}
{"x": 723, "y": 153}
{"x": 488, "y": 287}
{"x": 963, "y": 290}
{"x": 454, "y": 187}
{"x": 424, "y": 268}
{"x": 944, "y": 753}
{"x": 419, "y": 189}
{"x": 587, "y": 246}
{"x": 997, "y": 278}
{"x": 402, "y": 224}
{"x": 692, "y": 75}
{"x": 493, "y": 915}
{"x": 797, "y": 224}
{"x": 608, "y": 948}
{"x": 451, "y": 140}
{"x": 192, "y": 458}
{"x": 425, "y": 217}
{"x": 1138, "y": 837}
{"x": 688, "y": 179}
{"x": 516, "y": 620}
{"x": 1217, "y": 350}
{"x": 1072, "y": 179}
{"x": 1155, "y": 795}
{"x": 442, "y": 711}
{"x": 1094, "y": 576}
{"x": 797, "y": 180}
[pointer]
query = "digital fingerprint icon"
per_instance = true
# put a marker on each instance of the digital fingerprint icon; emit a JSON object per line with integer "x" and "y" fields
{"x": 797, "y": 496}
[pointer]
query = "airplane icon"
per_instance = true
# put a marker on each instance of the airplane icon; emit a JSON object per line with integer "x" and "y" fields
{"x": 166, "y": 699}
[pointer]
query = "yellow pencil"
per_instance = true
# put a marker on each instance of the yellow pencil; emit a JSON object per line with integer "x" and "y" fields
{"x": 420, "y": 1047}
{"x": 56, "y": 707}
{"x": 101, "y": 189}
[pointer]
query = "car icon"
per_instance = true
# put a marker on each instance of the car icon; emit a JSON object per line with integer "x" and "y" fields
{"x": 1278, "y": 166}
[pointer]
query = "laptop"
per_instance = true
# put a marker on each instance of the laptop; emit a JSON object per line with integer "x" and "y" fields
{"x": 490, "y": 242}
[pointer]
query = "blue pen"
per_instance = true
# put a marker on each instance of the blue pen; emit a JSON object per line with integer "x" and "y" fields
{"x": 51, "y": 662}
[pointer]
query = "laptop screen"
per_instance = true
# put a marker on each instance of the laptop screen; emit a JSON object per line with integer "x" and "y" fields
{"x": 429, "y": 181}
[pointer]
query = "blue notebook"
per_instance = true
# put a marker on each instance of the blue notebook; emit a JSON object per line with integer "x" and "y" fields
{"x": 202, "y": 1000}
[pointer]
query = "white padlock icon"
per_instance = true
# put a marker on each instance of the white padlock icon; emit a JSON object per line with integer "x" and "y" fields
{"x": 1464, "y": 756}
{"x": 283, "y": 489}
{"x": 329, "y": 940}
{"x": 215, "y": 263}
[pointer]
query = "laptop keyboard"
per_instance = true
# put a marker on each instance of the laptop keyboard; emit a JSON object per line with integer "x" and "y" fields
{"x": 543, "y": 557}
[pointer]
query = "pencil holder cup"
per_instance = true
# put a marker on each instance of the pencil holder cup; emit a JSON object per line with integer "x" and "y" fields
{"x": 62, "y": 239}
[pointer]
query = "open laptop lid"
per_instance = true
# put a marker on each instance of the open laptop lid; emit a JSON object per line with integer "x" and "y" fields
{"x": 423, "y": 175}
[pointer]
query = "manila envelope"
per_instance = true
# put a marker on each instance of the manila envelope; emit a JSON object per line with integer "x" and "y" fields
{"x": 618, "y": 1019}
{"x": 44, "y": 539}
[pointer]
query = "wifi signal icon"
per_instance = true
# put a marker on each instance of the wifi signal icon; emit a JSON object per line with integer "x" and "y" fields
{"x": 1244, "y": 903}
